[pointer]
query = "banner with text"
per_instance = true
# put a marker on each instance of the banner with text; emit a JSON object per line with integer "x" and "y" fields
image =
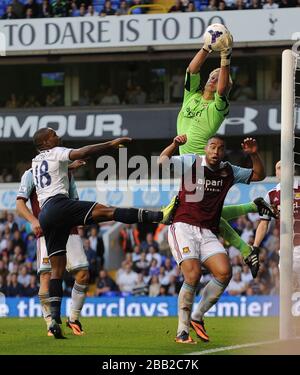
{"x": 142, "y": 123}
{"x": 143, "y": 197}
{"x": 254, "y": 306}
{"x": 101, "y": 34}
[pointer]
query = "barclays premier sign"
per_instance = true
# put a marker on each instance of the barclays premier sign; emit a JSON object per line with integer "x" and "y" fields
{"x": 254, "y": 306}
{"x": 102, "y": 34}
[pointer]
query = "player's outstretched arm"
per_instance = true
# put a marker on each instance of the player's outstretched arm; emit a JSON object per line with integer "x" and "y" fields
{"x": 261, "y": 232}
{"x": 198, "y": 61}
{"x": 76, "y": 165}
{"x": 224, "y": 81}
{"x": 169, "y": 151}
{"x": 86, "y": 151}
{"x": 250, "y": 147}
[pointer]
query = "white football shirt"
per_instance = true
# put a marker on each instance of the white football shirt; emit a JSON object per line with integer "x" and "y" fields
{"x": 50, "y": 173}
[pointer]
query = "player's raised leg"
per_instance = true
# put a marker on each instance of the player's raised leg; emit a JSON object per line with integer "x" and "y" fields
{"x": 133, "y": 215}
{"x": 231, "y": 236}
{"x": 259, "y": 205}
{"x": 249, "y": 253}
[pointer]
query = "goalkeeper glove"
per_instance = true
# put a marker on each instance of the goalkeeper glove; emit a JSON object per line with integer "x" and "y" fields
{"x": 226, "y": 52}
{"x": 207, "y": 48}
{"x": 226, "y": 56}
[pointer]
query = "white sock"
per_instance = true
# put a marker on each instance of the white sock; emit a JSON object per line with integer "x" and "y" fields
{"x": 185, "y": 303}
{"x": 45, "y": 304}
{"x": 78, "y": 297}
{"x": 210, "y": 295}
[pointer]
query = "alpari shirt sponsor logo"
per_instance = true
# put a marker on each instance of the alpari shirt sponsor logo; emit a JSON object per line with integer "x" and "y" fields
{"x": 210, "y": 185}
{"x": 96, "y": 125}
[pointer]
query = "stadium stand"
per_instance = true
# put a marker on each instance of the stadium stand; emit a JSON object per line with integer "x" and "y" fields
{"x": 71, "y": 8}
{"x": 18, "y": 264}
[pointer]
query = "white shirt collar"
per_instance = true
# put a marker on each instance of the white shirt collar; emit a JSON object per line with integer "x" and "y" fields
{"x": 204, "y": 163}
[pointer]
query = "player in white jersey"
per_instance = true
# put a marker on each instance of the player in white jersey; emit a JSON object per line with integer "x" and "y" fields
{"x": 59, "y": 213}
{"x": 273, "y": 197}
{"x": 76, "y": 258}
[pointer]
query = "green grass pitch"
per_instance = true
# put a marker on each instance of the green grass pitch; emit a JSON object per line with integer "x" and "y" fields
{"x": 131, "y": 336}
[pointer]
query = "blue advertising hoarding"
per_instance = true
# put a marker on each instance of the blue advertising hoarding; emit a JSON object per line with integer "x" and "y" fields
{"x": 159, "y": 195}
{"x": 253, "y": 306}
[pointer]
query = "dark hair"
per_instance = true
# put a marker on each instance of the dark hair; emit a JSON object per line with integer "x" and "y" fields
{"x": 216, "y": 137}
{"x": 39, "y": 137}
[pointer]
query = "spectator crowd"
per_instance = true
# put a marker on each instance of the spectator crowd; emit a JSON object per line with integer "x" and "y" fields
{"x": 94, "y": 8}
{"x": 104, "y": 96}
{"x": 148, "y": 268}
{"x": 68, "y": 8}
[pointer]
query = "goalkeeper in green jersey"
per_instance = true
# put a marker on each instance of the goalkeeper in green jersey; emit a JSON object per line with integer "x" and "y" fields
{"x": 200, "y": 117}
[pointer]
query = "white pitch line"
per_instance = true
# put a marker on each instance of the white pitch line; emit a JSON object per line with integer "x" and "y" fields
{"x": 232, "y": 347}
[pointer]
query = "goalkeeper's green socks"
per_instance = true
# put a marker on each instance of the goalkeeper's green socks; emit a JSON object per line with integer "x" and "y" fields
{"x": 231, "y": 212}
{"x": 231, "y": 236}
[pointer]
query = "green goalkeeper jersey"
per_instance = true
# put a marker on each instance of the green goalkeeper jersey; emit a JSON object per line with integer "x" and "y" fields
{"x": 198, "y": 118}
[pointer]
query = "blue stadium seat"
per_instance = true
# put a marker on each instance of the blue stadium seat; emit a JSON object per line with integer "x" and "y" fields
{"x": 2, "y": 10}
{"x": 3, "y": 6}
{"x": 97, "y": 8}
{"x": 111, "y": 294}
{"x": 115, "y": 4}
{"x": 198, "y": 4}
{"x": 125, "y": 294}
{"x": 98, "y": 2}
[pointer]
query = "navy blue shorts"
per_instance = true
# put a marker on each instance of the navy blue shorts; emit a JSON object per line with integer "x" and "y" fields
{"x": 58, "y": 216}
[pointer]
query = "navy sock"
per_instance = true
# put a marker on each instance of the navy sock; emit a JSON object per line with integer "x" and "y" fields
{"x": 135, "y": 215}
{"x": 55, "y": 297}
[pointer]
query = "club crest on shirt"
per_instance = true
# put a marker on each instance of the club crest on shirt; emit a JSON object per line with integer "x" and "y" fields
{"x": 45, "y": 261}
{"x": 186, "y": 250}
